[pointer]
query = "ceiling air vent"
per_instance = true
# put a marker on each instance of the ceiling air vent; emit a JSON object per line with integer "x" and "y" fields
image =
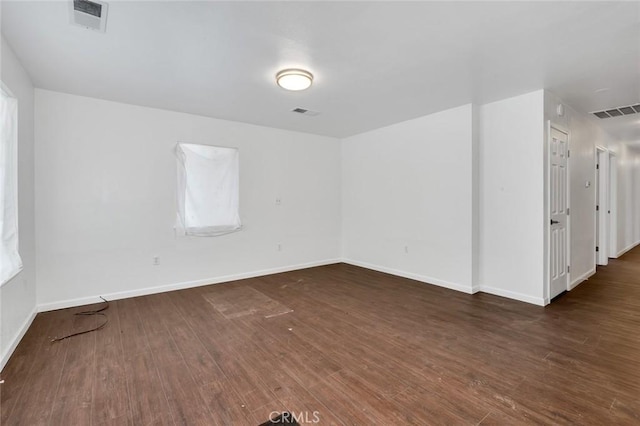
{"x": 89, "y": 14}
{"x": 617, "y": 112}
{"x": 305, "y": 112}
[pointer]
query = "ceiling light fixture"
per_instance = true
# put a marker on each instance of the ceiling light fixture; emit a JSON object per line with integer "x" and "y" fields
{"x": 294, "y": 79}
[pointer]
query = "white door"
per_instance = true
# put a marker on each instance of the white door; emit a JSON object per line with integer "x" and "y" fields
{"x": 602, "y": 207}
{"x": 558, "y": 261}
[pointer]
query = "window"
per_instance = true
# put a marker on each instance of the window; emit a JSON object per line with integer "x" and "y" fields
{"x": 208, "y": 190}
{"x": 10, "y": 262}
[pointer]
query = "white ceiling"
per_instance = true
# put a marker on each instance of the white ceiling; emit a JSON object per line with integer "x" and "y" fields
{"x": 375, "y": 63}
{"x": 625, "y": 128}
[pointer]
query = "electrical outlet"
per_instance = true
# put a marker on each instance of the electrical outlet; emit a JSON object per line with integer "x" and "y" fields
{"x": 156, "y": 260}
{"x": 278, "y": 201}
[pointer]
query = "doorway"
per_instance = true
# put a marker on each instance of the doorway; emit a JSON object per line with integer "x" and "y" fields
{"x": 603, "y": 212}
{"x": 613, "y": 203}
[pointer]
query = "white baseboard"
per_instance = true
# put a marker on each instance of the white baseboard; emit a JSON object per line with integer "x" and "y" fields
{"x": 453, "y": 286}
{"x": 540, "y": 301}
{"x": 412, "y": 276}
{"x": 226, "y": 278}
{"x": 179, "y": 286}
{"x": 582, "y": 278}
{"x": 16, "y": 339}
{"x": 624, "y": 250}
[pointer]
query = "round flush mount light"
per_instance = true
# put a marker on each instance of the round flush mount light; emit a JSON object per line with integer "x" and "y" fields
{"x": 294, "y": 79}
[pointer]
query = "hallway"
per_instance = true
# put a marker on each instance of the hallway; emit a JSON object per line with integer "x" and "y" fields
{"x": 601, "y": 319}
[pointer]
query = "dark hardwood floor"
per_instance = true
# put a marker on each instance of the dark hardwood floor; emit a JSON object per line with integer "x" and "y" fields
{"x": 359, "y": 347}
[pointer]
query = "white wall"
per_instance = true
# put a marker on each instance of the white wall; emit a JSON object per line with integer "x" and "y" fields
{"x": 407, "y": 199}
{"x": 511, "y": 262}
{"x": 105, "y": 200}
{"x": 628, "y": 214}
{"x": 395, "y": 176}
{"x": 18, "y": 296}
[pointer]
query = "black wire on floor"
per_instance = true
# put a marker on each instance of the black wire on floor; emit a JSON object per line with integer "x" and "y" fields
{"x": 89, "y": 313}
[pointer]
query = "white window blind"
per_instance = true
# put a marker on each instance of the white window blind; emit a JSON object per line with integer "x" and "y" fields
{"x": 10, "y": 262}
{"x": 208, "y": 190}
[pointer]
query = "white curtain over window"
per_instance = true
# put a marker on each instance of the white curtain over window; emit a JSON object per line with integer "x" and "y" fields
{"x": 10, "y": 262}
{"x": 208, "y": 190}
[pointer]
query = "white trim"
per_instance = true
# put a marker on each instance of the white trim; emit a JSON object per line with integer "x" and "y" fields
{"x": 582, "y": 278}
{"x": 179, "y": 286}
{"x": 558, "y": 126}
{"x": 412, "y": 276}
{"x": 16, "y": 339}
{"x": 624, "y": 250}
{"x": 540, "y": 301}
{"x": 613, "y": 204}
{"x": 546, "y": 201}
{"x": 569, "y": 222}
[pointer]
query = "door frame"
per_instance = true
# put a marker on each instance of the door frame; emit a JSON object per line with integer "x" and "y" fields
{"x": 601, "y": 205}
{"x": 547, "y": 226}
{"x": 613, "y": 204}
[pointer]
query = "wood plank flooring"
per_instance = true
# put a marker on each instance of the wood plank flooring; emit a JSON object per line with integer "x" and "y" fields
{"x": 359, "y": 348}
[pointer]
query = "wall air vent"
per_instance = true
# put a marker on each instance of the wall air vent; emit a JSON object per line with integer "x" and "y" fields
{"x": 305, "y": 112}
{"x": 90, "y": 14}
{"x": 618, "y": 112}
